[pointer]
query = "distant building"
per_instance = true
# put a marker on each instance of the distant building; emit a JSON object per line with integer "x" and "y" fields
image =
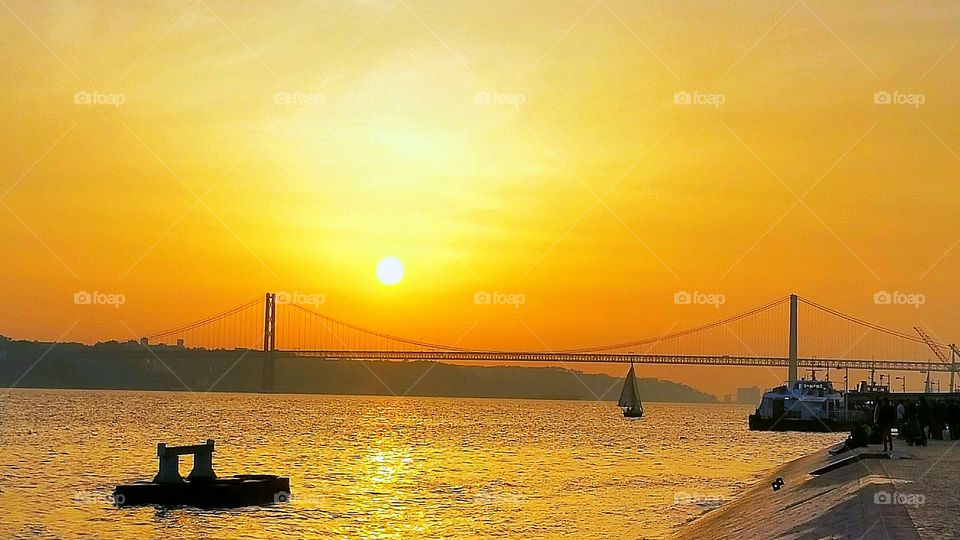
{"x": 749, "y": 395}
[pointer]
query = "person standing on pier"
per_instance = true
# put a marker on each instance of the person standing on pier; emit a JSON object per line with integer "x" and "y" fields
{"x": 924, "y": 416}
{"x": 886, "y": 416}
{"x": 938, "y": 420}
{"x": 913, "y": 433}
{"x": 953, "y": 419}
{"x": 901, "y": 412}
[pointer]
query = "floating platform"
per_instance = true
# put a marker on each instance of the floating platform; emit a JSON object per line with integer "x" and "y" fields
{"x": 202, "y": 488}
{"x": 228, "y": 492}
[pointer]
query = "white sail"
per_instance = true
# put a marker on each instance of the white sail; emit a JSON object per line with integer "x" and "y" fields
{"x": 630, "y": 395}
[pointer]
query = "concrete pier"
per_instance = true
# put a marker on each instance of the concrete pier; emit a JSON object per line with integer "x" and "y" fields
{"x": 202, "y": 488}
{"x": 910, "y": 496}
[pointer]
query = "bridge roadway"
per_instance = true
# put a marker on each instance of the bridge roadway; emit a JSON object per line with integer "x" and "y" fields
{"x": 623, "y": 358}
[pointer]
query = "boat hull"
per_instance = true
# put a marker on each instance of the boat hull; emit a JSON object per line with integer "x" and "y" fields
{"x": 825, "y": 425}
{"x": 231, "y": 492}
{"x": 632, "y": 414}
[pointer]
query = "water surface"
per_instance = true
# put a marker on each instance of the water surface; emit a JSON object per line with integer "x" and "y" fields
{"x": 378, "y": 467}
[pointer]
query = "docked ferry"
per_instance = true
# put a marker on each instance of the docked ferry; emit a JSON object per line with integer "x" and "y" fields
{"x": 809, "y": 405}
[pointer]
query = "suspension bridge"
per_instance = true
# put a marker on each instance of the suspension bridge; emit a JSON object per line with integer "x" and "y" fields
{"x": 769, "y": 335}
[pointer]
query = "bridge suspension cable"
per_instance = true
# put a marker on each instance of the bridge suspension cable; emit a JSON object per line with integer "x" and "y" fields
{"x": 180, "y": 330}
{"x": 682, "y": 333}
{"x": 382, "y": 335}
{"x": 606, "y": 347}
{"x": 861, "y": 322}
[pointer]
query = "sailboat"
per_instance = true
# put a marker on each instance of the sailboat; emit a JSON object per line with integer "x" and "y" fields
{"x": 630, "y": 396}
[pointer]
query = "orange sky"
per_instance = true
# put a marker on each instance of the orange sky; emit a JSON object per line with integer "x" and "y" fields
{"x": 192, "y": 155}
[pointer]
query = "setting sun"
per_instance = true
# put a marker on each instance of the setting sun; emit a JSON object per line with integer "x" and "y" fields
{"x": 390, "y": 271}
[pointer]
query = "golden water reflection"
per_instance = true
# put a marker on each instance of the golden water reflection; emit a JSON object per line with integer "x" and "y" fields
{"x": 380, "y": 468}
{"x": 385, "y": 478}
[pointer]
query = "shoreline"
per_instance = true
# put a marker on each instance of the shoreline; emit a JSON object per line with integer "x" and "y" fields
{"x": 128, "y": 366}
{"x": 912, "y": 496}
{"x": 347, "y": 395}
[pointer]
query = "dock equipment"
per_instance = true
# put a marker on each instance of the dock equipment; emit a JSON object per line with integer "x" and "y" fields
{"x": 202, "y": 488}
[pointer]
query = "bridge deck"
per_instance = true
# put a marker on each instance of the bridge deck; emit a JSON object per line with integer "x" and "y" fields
{"x": 623, "y": 358}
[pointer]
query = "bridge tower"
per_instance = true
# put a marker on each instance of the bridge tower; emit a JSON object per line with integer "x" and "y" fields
{"x": 792, "y": 355}
{"x": 269, "y": 341}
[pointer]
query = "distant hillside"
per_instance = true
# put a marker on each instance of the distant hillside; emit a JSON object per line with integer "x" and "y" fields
{"x": 27, "y": 364}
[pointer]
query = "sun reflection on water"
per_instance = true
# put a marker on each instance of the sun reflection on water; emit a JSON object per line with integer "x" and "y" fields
{"x": 381, "y": 468}
{"x": 381, "y": 496}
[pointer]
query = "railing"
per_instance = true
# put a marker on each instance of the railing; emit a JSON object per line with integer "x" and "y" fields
{"x": 623, "y": 358}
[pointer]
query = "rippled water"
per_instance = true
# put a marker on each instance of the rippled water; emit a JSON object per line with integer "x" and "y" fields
{"x": 374, "y": 467}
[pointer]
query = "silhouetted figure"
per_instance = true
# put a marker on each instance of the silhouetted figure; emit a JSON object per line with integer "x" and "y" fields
{"x": 875, "y": 436}
{"x": 859, "y": 438}
{"x": 953, "y": 419}
{"x": 913, "y": 433}
{"x": 886, "y": 417}
{"x": 901, "y": 415}
{"x": 923, "y": 416}
{"x": 938, "y": 419}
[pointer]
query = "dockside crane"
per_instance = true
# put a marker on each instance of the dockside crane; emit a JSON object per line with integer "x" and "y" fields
{"x": 938, "y": 350}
